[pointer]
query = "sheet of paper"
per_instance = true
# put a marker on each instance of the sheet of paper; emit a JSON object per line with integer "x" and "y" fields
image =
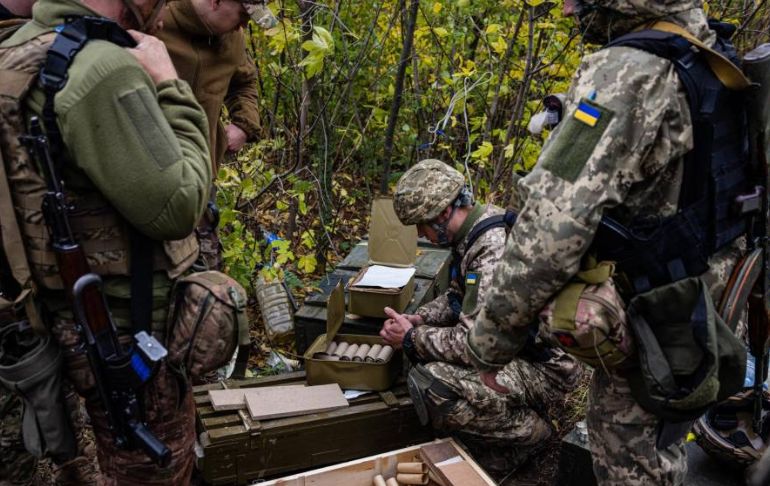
{"x": 351, "y": 394}
{"x": 386, "y": 277}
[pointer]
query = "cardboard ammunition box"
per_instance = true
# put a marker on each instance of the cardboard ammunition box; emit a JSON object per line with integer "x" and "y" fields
{"x": 361, "y": 472}
{"x": 431, "y": 280}
{"x": 236, "y": 449}
{"x": 391, "y": 244}
{"x": 354, "y": 375}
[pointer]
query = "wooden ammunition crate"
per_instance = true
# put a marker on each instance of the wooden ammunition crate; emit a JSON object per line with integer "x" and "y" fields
{"x": 237, "y": 449}
{"x": 431, "y": 279}
{"x": 362, "y": 471}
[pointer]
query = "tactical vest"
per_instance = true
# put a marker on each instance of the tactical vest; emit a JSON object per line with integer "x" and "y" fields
{"x": 505, "y": 220}
{"x": 96, "y": 225}
{"x": 717, "y": 196}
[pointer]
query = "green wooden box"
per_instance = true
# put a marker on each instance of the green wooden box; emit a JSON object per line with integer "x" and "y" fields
{"x": 234, "y": 449}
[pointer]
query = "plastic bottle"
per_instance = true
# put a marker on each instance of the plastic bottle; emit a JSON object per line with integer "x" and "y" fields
{"x": 276, "y": 310}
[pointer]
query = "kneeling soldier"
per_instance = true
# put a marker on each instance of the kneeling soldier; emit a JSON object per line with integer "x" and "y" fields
{"x": 444, "y": 386}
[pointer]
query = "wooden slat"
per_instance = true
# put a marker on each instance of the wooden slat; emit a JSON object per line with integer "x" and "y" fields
{"x": 273, "y": 402}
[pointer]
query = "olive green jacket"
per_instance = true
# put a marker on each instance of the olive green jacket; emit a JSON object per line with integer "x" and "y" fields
{"x": 143, "y": 147}
{"x": 219, "y": 70}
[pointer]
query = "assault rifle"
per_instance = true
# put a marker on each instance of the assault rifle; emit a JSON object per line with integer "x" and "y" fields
{"x": 119, "y": 372}
{"x": 757, "y": 67}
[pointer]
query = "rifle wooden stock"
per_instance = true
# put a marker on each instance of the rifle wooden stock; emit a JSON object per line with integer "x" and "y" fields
{"x": 72, "y": 265}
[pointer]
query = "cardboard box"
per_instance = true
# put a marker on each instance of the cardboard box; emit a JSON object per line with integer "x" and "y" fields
{"x": 361, "y": 472}
{"x": 391, "y": 244}
{"x": 354, "y": 375}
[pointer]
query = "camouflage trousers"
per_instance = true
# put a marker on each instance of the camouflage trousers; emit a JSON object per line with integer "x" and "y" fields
{"x": 622, "y": 438}
{"x": 17, "y": 466}
{"x": 508, "y": 428}
{"x": 169, "y": 414}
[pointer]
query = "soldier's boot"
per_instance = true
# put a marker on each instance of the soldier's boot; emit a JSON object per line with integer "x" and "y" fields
{"x": 432, "y": 398}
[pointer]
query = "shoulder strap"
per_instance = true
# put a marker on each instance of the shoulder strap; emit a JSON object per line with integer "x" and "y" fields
{"x": 728, "y": 73}
{"x": 72, "y": 37}
{"x": 498, "y": 221}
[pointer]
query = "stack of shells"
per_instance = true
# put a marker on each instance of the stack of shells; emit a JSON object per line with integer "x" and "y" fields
{"x": 406, "y": 473}
{"x": 342, "y": 351}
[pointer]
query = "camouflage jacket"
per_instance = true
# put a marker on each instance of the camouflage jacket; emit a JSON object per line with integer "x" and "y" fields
{"x": 449, "y": 317}
{"x": 628, "y": 163}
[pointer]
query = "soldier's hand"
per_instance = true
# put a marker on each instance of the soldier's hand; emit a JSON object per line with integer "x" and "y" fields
{"x": 394, "y": 329}
{"x": 489, "y": 378}
{"x": 152, "y": 55}
{"x": 415, "y": 319}
{"x": 236, "y": 137}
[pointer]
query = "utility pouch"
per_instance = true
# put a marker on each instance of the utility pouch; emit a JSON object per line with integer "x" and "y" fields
{"x": 688, "y": 357}
{"x": 587, "y": 319}
{"x": 30, "y": 366}
{"x": 207, "y": 322}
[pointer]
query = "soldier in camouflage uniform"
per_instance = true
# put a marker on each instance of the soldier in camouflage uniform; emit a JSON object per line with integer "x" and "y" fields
{"x": 629, "y": 164}
{"x": 433, "y": 196}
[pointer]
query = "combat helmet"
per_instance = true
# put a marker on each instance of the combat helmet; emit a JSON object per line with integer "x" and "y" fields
{"x": 425, "y": 190}
{"x": 726, "y": 431}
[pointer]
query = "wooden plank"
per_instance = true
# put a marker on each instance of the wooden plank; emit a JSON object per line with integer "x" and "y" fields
{"x": 284, "y": 401}
{"x": 462, "y": 474}
{"x": 234, "y": 399}
{"x": 440, "y": 454}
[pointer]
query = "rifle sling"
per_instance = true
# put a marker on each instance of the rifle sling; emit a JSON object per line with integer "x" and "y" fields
{"x": 73, "y": 36}
{"x": 141, "y": 282}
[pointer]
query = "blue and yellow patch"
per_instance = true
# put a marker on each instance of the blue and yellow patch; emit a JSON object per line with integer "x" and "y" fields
{"x": 587, "y": 114}
{"x": 471, "y": 279}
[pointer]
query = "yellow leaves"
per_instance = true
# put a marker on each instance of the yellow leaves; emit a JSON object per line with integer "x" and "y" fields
{"x": 492, "y": 29}
{"x": 437, "y": 7}
{"x": 508, "y": 151}
{"x": 483, "y": 152}
{"x": 440, "y": 31}
{"x": 281, "y": 35}
{"x": 499, "y": 45}
{"x": 307, "y": 264}
{"x": 283, "y": 254}
{"x": 321, "y": 45}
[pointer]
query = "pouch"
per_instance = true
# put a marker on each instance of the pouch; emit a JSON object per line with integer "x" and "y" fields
{"x": 31, "y": 367}
{"x": 688, "y": 357}
{"x": 207, "y": 322}
{"x": 587, "y": 319}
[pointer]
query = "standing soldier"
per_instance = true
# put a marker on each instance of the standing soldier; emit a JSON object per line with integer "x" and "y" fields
{"x": 131, "y": 147}
{"x": 502, "y": 430}
{"x": 206, "y": 43}
{"x": 631, "y": 148}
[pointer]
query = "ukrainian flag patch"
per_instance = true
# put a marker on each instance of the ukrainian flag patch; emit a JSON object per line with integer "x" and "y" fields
{"x": 471, "y": 279}
{"x": 587, "y": 114}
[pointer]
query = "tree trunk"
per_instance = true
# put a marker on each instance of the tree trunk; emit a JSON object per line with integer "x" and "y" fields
{"x": 395, "y": 106}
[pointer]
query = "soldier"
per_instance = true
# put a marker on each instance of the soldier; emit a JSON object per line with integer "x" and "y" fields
{"x": 135, "y": 161}
{"x": 503, "y": 430}
{"x": 621, "y": 151}
{"x": 206, "y": 44}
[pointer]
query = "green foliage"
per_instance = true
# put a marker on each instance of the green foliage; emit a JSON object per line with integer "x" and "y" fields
{"x": 327, "y": 77}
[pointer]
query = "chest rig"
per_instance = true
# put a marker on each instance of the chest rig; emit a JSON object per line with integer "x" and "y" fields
{"x": 717, "y": 198}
